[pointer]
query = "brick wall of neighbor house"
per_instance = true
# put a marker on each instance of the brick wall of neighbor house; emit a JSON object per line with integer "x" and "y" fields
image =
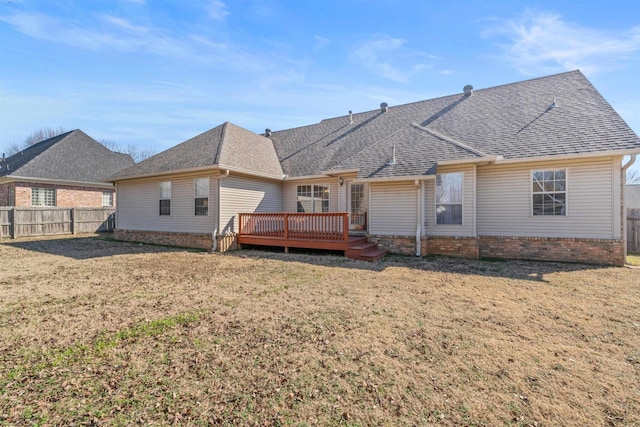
{"x": 66, "y": 196}
{"x": 591, "y": 251}
{"x": 186, "y": 240}
{"x": 4, "y": 194}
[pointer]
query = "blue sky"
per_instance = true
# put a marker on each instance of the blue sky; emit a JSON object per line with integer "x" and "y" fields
{"x": 155, "y": 73}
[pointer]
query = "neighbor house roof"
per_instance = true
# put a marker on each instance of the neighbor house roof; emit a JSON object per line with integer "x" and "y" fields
{"x": 72, "y": 157}
{"x": 226, "y": 147}
{"x": 556, "y": 115}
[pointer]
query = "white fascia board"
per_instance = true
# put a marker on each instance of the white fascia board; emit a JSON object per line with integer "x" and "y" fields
{"x": 486, "y": 159}
{"x": 588, "y": 155}
{"x": 14, "y": 178}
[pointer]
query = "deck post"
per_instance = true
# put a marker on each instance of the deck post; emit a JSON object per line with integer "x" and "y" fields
{"x": 286, "y": 228}
{"x": 345, "y": 227}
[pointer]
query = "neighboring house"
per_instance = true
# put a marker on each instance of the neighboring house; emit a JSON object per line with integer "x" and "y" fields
{"x": 527, "y": 170}
{"x": 633, "y": 196}
{"x": 67, "y": 170}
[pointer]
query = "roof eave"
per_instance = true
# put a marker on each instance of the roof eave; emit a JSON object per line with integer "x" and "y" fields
{"x": 475, "y": 160}
{"x": 14, "y": 178}
{"x": 587, "y": 155}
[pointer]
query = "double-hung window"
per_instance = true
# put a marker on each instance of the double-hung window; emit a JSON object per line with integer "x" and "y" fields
{"x": 165, "y": 198}
{"x": 43, "y": 196}
{"x": 549, "y": 192}
{"x": 449, "y": 198}
{"x": 107, "y": 199}
{"x": 201, "y": 191}
{"x": 313, "y": 198}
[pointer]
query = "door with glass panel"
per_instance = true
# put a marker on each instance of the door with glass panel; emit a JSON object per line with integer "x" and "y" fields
{"x": 357, "y": 203}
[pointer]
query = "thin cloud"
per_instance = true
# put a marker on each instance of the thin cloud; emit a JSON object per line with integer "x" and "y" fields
{"x": 321, "y": 42}
{"x": 540, "y": 43}
{"x": 217, "y": 10}
{"x": 390, "y": 58}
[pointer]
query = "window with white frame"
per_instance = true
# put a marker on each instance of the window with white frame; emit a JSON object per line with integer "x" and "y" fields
{"x": 313, "y": 198}
{"x": 107, "y": 199}
{"x": 165, "y": 198}
{"x": 43, "y": 196}
{"x": 201, "y": 192}
{"x": 449, "y": 198}
{"x": 549, "y": 192}
{"x": 12, "y": 196}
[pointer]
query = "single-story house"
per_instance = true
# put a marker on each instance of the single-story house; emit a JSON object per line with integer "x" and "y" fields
{"x": 67, "y": 170}
{"x": 530, "y": 170}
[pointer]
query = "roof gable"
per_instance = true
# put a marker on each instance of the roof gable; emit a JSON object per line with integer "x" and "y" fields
{"x": 226, "y": 145}
{"x": 73, "y": 156}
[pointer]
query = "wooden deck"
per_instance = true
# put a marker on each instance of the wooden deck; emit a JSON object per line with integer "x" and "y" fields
{"x": 327, "y": 231}
{"x": 295, "y": 230}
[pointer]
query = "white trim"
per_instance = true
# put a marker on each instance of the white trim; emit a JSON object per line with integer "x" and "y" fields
{"x": 33, "y": 180}
{"x": 570, "y": 156}
{"x": 219, "y": 167}
{"x": 396, "y": 178}
{"x": 487, "y": 160}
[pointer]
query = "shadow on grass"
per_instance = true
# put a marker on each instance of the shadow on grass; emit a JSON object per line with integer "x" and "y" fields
{"x": 86, "y": 247}
{"x": 103, "y": 245}
{"x": 515, "y": 269}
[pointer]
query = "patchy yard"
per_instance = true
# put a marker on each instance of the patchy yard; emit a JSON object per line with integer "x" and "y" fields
{"x": 107, "y": 333}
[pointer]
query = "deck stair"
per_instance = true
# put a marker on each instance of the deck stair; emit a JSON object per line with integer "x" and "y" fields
{"x": 360, "y": 248}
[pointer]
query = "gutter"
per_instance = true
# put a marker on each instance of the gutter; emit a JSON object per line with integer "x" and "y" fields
{"x": 214, "y": 246}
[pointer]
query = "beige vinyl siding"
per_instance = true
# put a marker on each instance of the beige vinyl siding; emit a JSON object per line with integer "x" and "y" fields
{"x": 290, "y": 195}
{"x": 393, "y": 209}
{"x": 138, "y": 205}
{"x": 467, "y": 229}
{"x": 504, "y": 200}
{"x": 244, "y": 195}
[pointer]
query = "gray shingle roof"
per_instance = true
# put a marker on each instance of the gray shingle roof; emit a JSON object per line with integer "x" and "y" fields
{"x": 226, "y": 145}
{"x": 73, "y": 156}
{"x": 514, "y": 121}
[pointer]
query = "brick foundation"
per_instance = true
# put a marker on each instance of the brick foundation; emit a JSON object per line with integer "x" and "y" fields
{"x": 186, "y": 240}
{"x": 464, "y": 247}
{"x": 590, "y": 251}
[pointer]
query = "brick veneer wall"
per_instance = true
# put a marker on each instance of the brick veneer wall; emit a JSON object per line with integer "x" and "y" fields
{"x": 4, "y": 194}
{"x": 67, "y": 196}
{"x": 186, "y": 240}
{"x": 590, "y": 251}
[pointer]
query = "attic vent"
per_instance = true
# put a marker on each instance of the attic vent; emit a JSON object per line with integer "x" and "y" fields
{"x": 384, "y": 107}
{"x": 554, "y": 104}
{"x": 468, "y": 90}
{"x": 267, "y": 132}
{"x": 392, "y": 160}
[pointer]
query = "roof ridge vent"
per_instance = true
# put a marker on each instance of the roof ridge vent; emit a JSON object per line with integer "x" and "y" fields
{"x": 384, "y": 107}
{"x": 468, "y": 90}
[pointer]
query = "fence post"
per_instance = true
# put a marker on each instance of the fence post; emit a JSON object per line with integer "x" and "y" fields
{"x": 73, "y": 221}
{"x": 14, "y": 223}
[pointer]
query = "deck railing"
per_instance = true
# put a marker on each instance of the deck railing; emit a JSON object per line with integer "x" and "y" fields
{"x": 293, "y": 225}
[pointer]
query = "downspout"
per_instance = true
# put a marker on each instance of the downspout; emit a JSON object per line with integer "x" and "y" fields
{"x": 623, "y": 214}
{"x": 419, "y": 203}
{"x": 214, "y": 234}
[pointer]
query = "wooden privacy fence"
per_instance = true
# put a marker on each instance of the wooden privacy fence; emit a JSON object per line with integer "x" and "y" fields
{"x": 633, "y": 230}
{"x": 30, "y": 221}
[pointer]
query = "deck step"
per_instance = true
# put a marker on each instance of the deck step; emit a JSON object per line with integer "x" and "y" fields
{"x": 361, "y": 249}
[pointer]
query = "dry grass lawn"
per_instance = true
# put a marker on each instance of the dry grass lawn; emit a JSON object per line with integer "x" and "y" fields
{"x": 97, "y": 332}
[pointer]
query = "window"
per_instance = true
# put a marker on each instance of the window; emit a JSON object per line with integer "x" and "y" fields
{"x": 43, "y": 197}
{"x": 165, "y": 198}
{"x": 549, "y": 192}
{"x": 107, "y": 199}
{"x": 201, "y": 190}
{"x": 449, "y": 198}
{"x": 313, "y": 198}
{"x": 12, "y": 196}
